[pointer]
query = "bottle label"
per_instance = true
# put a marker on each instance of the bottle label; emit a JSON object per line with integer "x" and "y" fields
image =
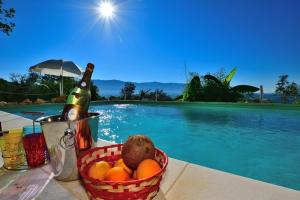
{"x": 72, "y": 114}
{"x": 83, "y": 84}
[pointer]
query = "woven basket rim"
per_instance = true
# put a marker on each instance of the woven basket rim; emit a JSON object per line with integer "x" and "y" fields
{"x": 138, "y": 181}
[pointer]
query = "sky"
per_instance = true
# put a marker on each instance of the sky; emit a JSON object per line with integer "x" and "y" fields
{"x": 153, "y": 40}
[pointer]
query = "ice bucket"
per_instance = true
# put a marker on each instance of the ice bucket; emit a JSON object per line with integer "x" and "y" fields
{"x": 60, "y": 143}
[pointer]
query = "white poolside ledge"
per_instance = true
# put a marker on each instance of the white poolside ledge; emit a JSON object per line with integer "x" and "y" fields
{"x": 182, "y": 181}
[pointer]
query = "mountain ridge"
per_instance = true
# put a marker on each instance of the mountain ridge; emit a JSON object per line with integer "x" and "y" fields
{"x": 113, "y": 87}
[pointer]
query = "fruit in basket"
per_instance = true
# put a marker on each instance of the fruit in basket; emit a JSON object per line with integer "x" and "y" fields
{"x": 147, "y": 168}
{"x": 136, "y": 149}
{"x": 120, "y": 163}
{"x": 98, "y": 170}
{"x": 116, "y": 174}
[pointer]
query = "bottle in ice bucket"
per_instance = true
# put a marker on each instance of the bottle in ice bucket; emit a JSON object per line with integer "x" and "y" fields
{"x": 76, "y": 108}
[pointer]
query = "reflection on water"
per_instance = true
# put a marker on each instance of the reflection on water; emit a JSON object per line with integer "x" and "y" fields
{"x": 123, "y": 106}
{"x": 106, "y": 131}
{"x": 109, "y": 121}
{"x": 206, "y": 116}
{"x": 257, "y": 119}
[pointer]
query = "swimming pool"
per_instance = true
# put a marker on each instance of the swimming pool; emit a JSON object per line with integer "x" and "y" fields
{"x": 260, "y": 142}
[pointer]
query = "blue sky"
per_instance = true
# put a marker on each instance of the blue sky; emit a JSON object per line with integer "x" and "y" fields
{"x": 149, "y": 40}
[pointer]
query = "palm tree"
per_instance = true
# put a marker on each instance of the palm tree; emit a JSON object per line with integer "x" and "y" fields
{"x": 227, "y": 93}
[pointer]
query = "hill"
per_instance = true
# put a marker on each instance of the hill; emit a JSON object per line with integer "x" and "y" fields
{"x": 113, "y": 87}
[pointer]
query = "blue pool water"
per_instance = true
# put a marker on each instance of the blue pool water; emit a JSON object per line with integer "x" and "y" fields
{"x": 254, "y": 141}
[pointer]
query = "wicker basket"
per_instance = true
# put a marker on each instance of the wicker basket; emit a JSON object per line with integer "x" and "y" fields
{"x": 133, "y": 189}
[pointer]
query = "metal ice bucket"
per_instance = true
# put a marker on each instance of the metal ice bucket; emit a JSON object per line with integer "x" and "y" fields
{"x": 61, "y": 146}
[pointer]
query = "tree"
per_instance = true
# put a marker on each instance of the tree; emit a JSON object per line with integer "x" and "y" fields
{"x": 287, "y": 90}
{"x": 34, "y": 85}
{"x": 6, "y": 26}
{"x": 94, "y": 92}
{"x": 144, "y": 94}
{"x": 157, "y": 95}
{"x": 127, "y": 91}
{"x": 281, "y": 88}
{"x": 18, "y": 78}
{"x": 222, "y": 89}
{"x": 193, "y": 89}
{"x": 32, "y": 77}
{"x": 160, "y": 95}
{"x": 293, "y": 90}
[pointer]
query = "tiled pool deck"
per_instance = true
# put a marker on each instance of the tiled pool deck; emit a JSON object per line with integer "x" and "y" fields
{"x": 182, "y": 181}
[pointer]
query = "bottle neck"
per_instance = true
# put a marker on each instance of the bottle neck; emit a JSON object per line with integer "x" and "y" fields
{"x": 86, "y": 79}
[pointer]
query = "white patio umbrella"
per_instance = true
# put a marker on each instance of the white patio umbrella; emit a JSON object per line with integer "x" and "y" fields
{"x": 57, "y": 68}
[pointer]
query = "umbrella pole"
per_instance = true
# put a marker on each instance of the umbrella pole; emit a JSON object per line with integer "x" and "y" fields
{"x": 62, "y": 82}
{"x": 59, "y": 89}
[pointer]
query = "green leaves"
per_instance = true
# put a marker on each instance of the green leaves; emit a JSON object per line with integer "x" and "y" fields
{"x": 221, "y": 90}
{"x": 215, "y": 79}
{"x": 230, "y": 75}
{"x": 285, "y": 89}
{"x": 5, "y": 15}
{"x": 128, "y": 90}
{"x": 193, "y": 89}
{"x": 244, "y": 88}
{"x": 227, "y": 80}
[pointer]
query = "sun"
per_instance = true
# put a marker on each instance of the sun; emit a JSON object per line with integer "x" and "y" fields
{"x": 106, "y": 9}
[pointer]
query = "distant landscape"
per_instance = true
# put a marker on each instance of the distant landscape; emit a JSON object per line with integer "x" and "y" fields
{"x": 113, "y": 87}
{"x": 109, "y": 88}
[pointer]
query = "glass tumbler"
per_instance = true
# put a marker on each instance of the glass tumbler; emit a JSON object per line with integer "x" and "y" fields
{"x": 12, "y": 149}
{"x": 34, "y": 145}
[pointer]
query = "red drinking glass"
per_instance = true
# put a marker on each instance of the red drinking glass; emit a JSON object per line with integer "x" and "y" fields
{"x": 34, "y": 145}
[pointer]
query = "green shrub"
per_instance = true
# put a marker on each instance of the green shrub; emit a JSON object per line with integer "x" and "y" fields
{"x": 193, "y": 90}
{"x": 297, "y": 101}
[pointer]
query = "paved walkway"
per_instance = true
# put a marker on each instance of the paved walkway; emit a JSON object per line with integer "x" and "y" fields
{"x": 11, "y": 121}
{"x": 182, "y": 181}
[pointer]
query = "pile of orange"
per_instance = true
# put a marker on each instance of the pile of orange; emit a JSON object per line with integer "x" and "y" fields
{"x": 102, "y": 170}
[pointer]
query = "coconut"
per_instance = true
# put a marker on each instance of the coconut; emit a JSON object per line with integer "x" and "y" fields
{"x": 136, "y": 149}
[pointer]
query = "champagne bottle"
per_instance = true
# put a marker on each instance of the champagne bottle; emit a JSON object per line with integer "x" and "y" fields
{"x": 79, "y": 99}
{"x": 76, "y": 108}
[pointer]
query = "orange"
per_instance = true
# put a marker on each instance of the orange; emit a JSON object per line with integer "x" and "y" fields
{"x": 98, "y": 170}
{"x": 116, "y": 174}
{"x": 120, "y": 163}
{"x": 147, "y": 168}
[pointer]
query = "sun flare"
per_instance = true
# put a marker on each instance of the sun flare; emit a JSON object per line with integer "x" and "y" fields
{"x": 106, "y": 9}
